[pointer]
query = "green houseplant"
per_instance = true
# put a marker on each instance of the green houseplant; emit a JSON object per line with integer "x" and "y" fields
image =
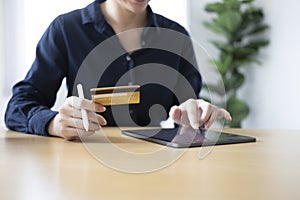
{"x": 241, "y": 25}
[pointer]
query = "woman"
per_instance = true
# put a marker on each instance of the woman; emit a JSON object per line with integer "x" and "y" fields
{"x": 63, "y": 48}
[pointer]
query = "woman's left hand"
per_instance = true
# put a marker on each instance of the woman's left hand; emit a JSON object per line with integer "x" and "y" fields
{"x": 197, "y": 112}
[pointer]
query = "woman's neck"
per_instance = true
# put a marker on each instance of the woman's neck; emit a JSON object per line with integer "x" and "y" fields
{"x": 122, "y": 19}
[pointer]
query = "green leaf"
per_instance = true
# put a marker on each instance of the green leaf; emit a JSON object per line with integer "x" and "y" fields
{"x": 232, "y": 5}
{"x": 253, "y": 15}
{"x": 258, "y": 29}
{"x": 230, "y": 21}
{"x": 221, "y": 68}
{"x": 247, "y": 1}
{"x": 220, "y": 7}
{"x": 244, "y": 52}
{"x": 224, "y": 64}
{"x": 243, "y": 62}
{"x": 238, "y": 110}
{"x": 215, "y": 28}
{"x": 256, "y": 44}
{"x": 223, "y": 46}
{"x": 226, "y": 60}
{"x": 214, "y": 7}
{"x": 234, "y": 82}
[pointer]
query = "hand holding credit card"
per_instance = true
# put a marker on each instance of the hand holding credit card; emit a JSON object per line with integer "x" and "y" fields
{"x": 108, "y": 96}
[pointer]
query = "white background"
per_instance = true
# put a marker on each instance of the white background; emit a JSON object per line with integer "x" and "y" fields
{"x": 272, "y": 89}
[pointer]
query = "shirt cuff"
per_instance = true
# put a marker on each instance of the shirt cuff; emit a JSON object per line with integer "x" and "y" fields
{"x": 169, "y": 123}
{"x": 39, "y": 122}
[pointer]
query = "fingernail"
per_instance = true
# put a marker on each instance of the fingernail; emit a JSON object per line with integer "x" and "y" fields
{"x": 101, "y": 108}
{"x": 229, "y": 117}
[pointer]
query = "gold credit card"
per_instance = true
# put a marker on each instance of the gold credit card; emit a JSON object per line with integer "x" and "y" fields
{"x": 116, "y": 95}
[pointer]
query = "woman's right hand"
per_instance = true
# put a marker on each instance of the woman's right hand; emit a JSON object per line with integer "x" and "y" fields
{"x": 68, "y": 122}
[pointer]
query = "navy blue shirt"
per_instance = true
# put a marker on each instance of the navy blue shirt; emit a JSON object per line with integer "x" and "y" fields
{"x": 82, "y": 47}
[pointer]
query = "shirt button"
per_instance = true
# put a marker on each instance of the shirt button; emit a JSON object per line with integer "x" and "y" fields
{"x": 128, "y": 58}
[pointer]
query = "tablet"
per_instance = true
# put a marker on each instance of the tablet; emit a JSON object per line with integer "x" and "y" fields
{"x": 183, "y": 137}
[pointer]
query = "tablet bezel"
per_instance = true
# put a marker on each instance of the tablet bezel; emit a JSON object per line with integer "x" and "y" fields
{"x": 227, "y": 138}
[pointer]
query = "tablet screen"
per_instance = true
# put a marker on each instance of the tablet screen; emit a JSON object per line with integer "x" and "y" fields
{"x": 182, "y": 137}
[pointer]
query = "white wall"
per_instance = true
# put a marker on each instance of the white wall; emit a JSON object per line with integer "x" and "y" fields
{"x": 172, "y": 9}
{"x": 13, "y": 31}
{"x": 1, "y": 45}
{"x": 1, "y": 50}
{"x": 8, "y": 40}
{"x": 272, "y": 89}
{"x": 276, "y": 84}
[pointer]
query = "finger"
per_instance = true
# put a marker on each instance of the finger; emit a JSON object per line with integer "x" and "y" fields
{"x": 101, "y": 120}
{"x": 175, "y": 114}
{"x": 97, "y": 119}
{"x": 76, "y": 113}
{"x": 224, "y": 113}
{"x": 93, "y": 118}
{"x": 193, "y": 114}
{"x": 213, "y": 116}
{"x": 85, "y": 104}
{"x": 78, "y": 123}
{"x": 206, "y": 111}
{"x": 98, "y": 107}
{"x": 66, "y": 109}
{"x": 92, "y": 125}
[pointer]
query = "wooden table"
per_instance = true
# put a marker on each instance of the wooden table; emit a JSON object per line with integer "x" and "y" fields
{"x": 35, "y": 167}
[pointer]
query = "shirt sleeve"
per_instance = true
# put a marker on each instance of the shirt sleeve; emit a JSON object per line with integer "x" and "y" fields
{"x": 29, "y": 109}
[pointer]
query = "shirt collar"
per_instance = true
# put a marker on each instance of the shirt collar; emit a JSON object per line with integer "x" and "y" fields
{"x": 93, "y": 14}
{"x": 90, "y": 14}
